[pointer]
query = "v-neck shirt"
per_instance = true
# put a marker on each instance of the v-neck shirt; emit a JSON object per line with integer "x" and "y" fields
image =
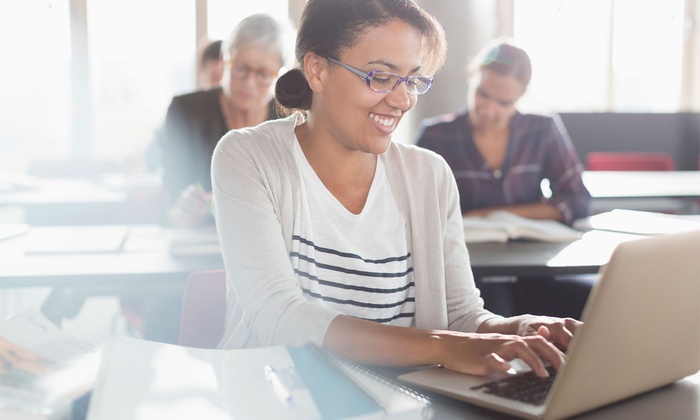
{"x": 358, "y": 264}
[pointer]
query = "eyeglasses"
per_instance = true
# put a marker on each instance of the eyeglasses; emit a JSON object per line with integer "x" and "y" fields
{"x": 384, "y": 81}
{"x": 262, "y": 76}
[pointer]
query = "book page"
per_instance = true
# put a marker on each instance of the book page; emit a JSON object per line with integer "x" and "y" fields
{"x": 42, "y": 368}
{"x": 482, "y": 229}
{"x": 538, "y": 229}
{"x": 501, "y": 226}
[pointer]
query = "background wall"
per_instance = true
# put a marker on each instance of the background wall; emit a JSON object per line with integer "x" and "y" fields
{"x": 108, "y": 89}
{"x": 466, "y": 31}
{"x": 469, "y": 24}
{"x": 693, "y": 102}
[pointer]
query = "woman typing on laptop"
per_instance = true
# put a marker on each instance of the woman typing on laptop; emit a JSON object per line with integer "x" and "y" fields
{"x": 333, "y": 233}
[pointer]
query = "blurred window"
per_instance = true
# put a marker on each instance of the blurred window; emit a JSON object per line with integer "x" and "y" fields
{"x": 588, "y": 55}
{"x": 603, "y": 55}
{"x": 223, "y": 15}
{"x": 34, "y": 81}
{"x": 141, "y": 54}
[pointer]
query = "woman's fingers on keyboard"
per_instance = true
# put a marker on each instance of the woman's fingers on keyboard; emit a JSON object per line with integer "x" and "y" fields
{"x": 533, "y": 350}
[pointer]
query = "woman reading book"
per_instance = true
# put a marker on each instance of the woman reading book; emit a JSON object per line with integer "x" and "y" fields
{"x": 501, "y": 156}
{"x": 333, "y": 233}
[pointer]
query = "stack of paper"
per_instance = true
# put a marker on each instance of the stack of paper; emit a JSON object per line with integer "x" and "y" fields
{"x": 141, "y": 380}
{"x": 643, "y": 222}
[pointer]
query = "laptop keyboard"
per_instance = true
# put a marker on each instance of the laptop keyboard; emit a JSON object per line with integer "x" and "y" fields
{"x": 526, "y": 387}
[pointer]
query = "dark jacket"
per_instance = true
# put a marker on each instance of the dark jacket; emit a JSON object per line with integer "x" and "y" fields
{"x": 194, "y": 124}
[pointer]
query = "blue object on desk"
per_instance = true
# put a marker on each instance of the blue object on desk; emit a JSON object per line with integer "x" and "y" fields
{"x": 334, "y": 394}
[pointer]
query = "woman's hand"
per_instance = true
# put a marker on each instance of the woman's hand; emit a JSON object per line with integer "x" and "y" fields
{"x": 481, "y": 354}
{"x": 558, "y": 331}
{"x": 192, "y": 207}
{"x": 535, "y": 331}
{"x": 483, "y": 212}
{"x": 490, "y": 349}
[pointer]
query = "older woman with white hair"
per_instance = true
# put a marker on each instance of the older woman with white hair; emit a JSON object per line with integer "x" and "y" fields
{"x": 254, "y": 55}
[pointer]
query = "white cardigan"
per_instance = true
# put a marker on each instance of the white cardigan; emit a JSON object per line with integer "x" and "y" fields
{"x": 256, "y": 187}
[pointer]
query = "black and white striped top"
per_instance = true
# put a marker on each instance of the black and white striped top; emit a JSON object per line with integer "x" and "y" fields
{"x": 357, "y": 264}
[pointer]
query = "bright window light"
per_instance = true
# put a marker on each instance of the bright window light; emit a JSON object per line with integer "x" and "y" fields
{"x": 602, "y": 55}
{"x": 34, "y": 81}
{"x": 142, "y": 53}
{"x": 223, "y": 15}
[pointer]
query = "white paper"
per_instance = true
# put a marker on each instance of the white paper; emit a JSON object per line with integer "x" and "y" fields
{"x": 43, "y": 368}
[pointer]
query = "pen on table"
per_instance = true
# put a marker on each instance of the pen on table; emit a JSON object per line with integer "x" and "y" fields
{"x": 122, "y": 243}
{"x": 276, "y": 384}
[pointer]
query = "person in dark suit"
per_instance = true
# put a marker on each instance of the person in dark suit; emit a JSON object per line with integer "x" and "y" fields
{"x": 254, "y": 55}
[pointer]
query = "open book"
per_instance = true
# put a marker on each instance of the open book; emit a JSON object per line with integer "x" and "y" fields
{"x": 502, "y": 226}
{"x": 42, "y": 369}
{"x": 141, "y": 379}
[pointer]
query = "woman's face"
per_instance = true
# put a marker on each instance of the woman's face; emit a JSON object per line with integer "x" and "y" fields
{"x": 249, "y": 75}
{"x": 355, "y": 116}
{"x": 492, "y": 99}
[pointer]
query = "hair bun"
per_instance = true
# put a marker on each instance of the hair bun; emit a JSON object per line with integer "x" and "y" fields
{"x": 292, "y": 91}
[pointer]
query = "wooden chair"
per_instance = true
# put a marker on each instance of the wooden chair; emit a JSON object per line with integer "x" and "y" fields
{"x": 629, "y": 161}
{"x": 203, "y": 309}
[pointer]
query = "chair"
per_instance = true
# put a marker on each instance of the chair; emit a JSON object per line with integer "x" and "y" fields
{"x": 203, "y": 309}
{"x": 629, "y": 161}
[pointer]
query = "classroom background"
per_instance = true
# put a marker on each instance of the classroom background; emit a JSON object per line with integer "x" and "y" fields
{"x": 86, "y": 84}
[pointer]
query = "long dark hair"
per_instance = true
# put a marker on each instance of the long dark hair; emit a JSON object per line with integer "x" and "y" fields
{"x": 328, "y": 27}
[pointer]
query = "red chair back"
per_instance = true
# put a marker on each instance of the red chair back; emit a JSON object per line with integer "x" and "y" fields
{"x": 203, "y": 309}
{"x": 633, "y": 161}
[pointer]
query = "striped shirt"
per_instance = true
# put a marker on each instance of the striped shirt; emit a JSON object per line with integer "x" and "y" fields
{"x": 539, "y": 148}
{"x": 359, "y": 264}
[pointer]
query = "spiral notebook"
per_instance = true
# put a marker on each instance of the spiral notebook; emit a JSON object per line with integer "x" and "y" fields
{"x": 387, "y": 398}
{"x": 141, "y": 380}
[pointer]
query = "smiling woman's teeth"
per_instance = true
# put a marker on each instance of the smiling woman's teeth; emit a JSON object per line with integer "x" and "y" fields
{"x": 386, "y": 122}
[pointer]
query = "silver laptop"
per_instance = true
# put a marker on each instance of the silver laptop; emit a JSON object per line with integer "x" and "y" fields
{"x": 641, "y": 332}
